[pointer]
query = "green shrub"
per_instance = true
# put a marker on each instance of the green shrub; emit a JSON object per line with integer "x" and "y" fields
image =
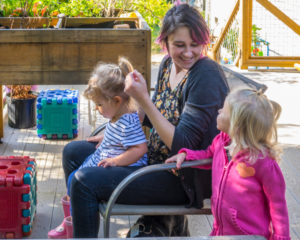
{"x": 152, "y": 11}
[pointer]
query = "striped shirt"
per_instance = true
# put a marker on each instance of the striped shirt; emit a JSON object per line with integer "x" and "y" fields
{"x": 118, "y": 137}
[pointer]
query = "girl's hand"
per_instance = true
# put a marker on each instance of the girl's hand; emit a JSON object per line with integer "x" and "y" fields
{"x": 97, "y": 138}
{"x": 178, "y": 158}
{"x": 135, "y": 86}
{"x": 108, "y": 162}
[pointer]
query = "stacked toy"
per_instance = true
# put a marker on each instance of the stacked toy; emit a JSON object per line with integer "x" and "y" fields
{"x": 17, "y": 196}
{"x": 57, "y": 114}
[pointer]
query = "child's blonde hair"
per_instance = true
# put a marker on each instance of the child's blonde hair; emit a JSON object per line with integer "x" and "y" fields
{"x": 253, "y": 125}
{"x": 108, "y": 80}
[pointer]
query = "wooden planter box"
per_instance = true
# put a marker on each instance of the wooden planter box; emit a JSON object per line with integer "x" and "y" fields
{"x": 33, "y": 54}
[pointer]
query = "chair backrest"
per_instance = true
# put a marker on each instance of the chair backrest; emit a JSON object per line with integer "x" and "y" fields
{"x": 236, "y": 79}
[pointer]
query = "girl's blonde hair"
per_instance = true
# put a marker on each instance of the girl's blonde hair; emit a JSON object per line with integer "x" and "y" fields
{"x": 253, "y": 125}
{"x": 108, "y": 80}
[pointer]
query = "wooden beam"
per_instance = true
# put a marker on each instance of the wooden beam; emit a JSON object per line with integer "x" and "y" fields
{"x": 272, "y": 62}
{"x": 123, "y": 36}
{"x": 224, "y": 31}
{"x": 245, "y": 31}
{"x": 71, "y": 22}
{"x": 291, "y": 58}
{"x": 280, "y": 15}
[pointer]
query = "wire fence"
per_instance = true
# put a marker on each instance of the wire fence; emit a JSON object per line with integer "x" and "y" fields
{"x": 229, "y": 47}
{"x": 273, "y": 37}
{"x": 270, "y": 36}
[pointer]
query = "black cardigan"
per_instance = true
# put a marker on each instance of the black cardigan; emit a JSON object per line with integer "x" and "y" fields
{"x": 203, "y": 95}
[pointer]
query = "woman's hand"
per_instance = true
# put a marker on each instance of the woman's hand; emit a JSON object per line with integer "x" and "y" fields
{"x": 108, "y": 162}
{"x": 178, "y": 158}
{"x": 136, "y": 86}
{"x": 97, "y": 138}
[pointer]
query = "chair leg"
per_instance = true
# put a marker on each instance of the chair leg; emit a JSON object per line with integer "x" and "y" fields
{"x": 106, "y": 222}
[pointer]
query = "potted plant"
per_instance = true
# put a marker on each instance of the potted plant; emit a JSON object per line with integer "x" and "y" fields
{"x": 21, "y": 106}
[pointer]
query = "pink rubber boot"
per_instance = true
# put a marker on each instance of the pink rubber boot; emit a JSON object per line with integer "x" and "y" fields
{"x": 65, "y": 201}
{"x": 60, "y": 231}
{"x": 69, "y": 226}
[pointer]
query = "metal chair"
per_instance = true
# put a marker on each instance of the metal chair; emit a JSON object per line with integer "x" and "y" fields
{"x": 110, "y": 208}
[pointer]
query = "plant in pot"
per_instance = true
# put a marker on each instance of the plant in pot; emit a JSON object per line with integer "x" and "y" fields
{"x": 21, "y": 106}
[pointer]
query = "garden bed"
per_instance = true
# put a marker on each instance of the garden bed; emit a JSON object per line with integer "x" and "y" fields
{"x": 46, "y": 51}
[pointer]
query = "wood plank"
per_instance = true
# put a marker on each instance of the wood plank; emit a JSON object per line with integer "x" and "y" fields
{"x": 16, "y": 143}
{"x": 199, "y": 225}
{"x": 293, "y": 209}
{"x": 60, "y": 64}
{"x": 147, "y": 59}
{"x": 44, "y": 78}
{"x": 68, "y": 57}
{"x": 281, "y": 58}
{"x": 95, "y": 22}
{"x": 272, "y": 62}
{"x": 210, "y": 219}
{"x": 290, "y": 169}
{"x": 69, "y": 22}
{"x": 27, "y": 22}
{"x": 72, "y": 35}
{"x": 7, "y": 138}
{"x": 119, "y": 226}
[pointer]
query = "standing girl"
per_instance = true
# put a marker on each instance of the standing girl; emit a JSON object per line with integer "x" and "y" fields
{"x": 124, "y": 142}
{"x": 248, "y": 189}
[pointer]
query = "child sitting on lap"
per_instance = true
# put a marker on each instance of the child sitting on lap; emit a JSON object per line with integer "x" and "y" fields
{"x": 124, "y": 142}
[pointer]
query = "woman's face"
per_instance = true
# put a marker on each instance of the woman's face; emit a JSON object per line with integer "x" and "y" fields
{"x": 223, "y": 119}
{"x": 183, "y": 50}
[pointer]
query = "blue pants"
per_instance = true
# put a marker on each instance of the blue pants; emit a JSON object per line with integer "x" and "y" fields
{"x": 91, "y": 185}
{"x": 69, "y": 181}
{"x": 70, "y": 177}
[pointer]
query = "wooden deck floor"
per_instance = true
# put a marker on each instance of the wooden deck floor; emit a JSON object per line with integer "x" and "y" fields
{"x": 51, "y": 185}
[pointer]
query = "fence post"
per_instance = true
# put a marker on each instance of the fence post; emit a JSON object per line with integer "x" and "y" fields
{"x": 245, "y": 32}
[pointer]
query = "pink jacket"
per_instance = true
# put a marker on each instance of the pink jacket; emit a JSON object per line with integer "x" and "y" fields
{"x": 246, "y": 199}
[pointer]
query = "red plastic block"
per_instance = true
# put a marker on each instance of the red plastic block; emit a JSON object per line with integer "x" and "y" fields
{"x": 12, "y": 192}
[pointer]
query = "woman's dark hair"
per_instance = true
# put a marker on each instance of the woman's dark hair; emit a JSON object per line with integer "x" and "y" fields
{"x": 184, "y": 15}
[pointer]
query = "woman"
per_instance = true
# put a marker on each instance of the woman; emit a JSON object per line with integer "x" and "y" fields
{"x": 190, "y": 90}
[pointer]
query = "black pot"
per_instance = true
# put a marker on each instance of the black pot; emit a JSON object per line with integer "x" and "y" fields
{"x": 21, "y": 112}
